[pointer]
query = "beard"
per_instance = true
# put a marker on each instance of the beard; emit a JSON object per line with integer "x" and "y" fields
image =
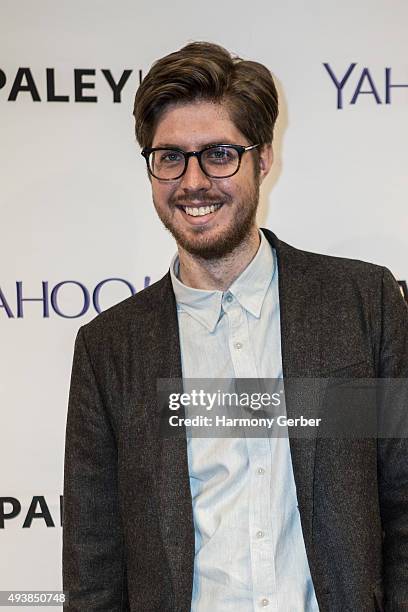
{"x": 219, "y": 241}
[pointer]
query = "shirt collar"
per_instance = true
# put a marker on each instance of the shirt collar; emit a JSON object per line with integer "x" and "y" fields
{"x": 249, "y": 289}
{"x": 252, "y": 284}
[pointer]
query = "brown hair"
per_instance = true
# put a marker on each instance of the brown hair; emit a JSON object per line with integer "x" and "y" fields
{"x": 206, "y": 71}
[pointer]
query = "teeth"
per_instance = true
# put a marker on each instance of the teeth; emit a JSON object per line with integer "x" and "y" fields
{"x": 201, "y": 210}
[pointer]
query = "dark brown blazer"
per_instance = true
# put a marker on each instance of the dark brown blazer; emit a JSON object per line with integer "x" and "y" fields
{"x": 128, "y": 535}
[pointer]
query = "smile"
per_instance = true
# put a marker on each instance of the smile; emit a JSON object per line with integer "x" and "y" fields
{"x": 200, "y": 211}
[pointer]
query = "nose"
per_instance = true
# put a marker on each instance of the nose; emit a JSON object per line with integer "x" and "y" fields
{"x": 194, "y": 178}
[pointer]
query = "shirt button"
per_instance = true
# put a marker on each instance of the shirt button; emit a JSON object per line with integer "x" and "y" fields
{"x": 238, "y": 345}
{"x": 260, "y": 470}
{"x": 229, "y": 298}
{"x": 264, "y": 602}
{"x": 260, "y": 534}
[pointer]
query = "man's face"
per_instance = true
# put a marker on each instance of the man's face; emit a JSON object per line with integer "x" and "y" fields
{"x": 191, "y": 127}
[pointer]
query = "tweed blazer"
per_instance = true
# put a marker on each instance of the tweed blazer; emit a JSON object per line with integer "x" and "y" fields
{"x": 128, "y": 533}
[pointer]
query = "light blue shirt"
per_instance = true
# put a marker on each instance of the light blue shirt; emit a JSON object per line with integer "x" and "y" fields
{"x": 249, "y": 548}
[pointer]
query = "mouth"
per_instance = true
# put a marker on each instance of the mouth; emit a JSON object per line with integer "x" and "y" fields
{"x": 200, "y": 211}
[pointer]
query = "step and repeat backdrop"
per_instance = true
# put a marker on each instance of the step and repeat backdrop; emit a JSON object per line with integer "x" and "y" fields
{"x": 78, "y": 228}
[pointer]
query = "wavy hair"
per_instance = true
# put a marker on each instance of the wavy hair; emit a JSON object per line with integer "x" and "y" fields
{"x": 206, "y": 71}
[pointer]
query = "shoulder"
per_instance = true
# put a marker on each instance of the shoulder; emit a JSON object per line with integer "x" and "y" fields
{"x": 133, "y": 315}
{"x": 325, "y": 267}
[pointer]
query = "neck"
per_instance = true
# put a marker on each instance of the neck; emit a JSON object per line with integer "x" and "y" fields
{"x": 217, "y": 274}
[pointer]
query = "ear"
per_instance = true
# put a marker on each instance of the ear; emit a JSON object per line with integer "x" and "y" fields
{"x": 265, "y": 160}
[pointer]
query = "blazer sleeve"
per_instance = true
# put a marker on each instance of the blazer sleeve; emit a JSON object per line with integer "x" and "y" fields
{"x": 393, "y": 452}
{"x": 94, "y": 572}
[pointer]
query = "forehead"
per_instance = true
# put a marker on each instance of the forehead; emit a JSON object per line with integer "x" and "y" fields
{"x": 196, "y": 124}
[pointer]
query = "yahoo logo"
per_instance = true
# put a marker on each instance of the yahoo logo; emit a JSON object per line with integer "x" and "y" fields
{"x": 51, "y": 301}
{"x": 361, "y": 82}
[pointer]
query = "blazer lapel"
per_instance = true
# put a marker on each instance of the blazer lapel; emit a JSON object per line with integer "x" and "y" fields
{"x": 300, "y": 314}
{"x": 171, "y": 477}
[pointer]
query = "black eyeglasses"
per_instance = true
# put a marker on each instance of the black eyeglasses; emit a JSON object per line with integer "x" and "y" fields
{"x": 216, "y": 161}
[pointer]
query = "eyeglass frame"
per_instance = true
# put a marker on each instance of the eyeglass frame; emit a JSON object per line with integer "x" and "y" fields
{"x": 240, "y": 149}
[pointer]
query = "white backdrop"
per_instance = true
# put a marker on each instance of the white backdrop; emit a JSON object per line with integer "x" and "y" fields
{"x": 76, "y": 206}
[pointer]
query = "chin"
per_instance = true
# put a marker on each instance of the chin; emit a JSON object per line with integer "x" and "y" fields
{"x": 213, "y": 248}
{"x": 210, "y": 251}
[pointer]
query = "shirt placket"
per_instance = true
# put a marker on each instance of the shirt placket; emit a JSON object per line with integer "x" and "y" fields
{"x": 259, "y": 456}
{"x": 238, "y": 339}
{"x": 261, "y": 534}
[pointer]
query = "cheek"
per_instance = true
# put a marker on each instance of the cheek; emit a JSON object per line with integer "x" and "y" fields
{"x": 161, "y": 193}
{"x": 226, "y": 188}
{"x": 238, "y": 189}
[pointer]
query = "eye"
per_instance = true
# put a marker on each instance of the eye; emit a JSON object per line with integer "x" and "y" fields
{"x": 220, "y": 155}
{"x": 170, "y": 157}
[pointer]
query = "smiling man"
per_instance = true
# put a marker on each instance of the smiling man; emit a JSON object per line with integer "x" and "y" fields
{"x": 240, "y": 523}
{"x": 210, "y": 206}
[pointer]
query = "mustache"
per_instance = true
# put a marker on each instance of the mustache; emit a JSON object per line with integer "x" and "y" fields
{"x": 194, "y": 198}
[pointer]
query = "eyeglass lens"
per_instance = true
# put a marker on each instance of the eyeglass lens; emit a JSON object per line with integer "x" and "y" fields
{"x": 216, "y": 161}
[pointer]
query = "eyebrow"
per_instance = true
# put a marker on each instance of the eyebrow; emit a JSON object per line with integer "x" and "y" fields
{"x": 166, "y": 145}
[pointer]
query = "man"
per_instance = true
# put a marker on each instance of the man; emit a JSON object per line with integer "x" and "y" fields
{"x": 153, "y": 523}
